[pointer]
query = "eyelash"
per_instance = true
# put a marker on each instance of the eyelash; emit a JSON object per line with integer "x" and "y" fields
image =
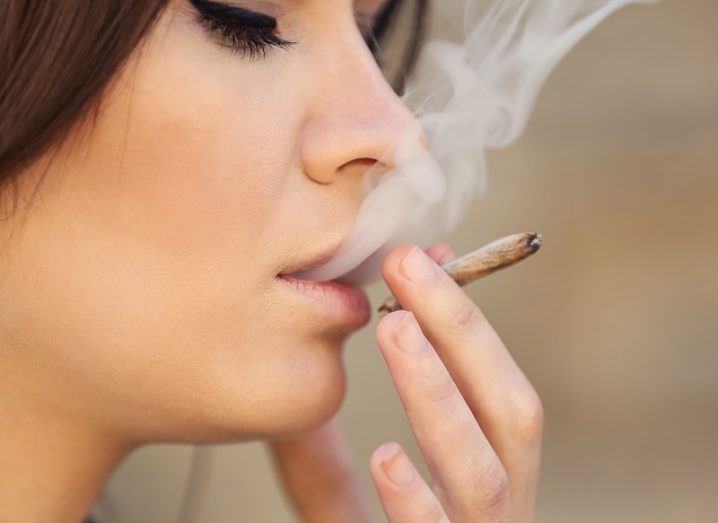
{"x": 250, "y": 41}
{"x": 255, "y": 42}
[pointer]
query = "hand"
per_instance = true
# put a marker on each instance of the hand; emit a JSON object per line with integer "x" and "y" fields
{"x": 317, "y": 477}
{"x": 477, "y": 419}
{"x": 315, "y": 469}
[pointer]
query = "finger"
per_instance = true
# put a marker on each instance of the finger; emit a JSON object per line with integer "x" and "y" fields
{"x": 316, "y": 474}
{"x": 404, "y": 494}
{"x": 460, "y": 458}
{"x": 497, "y": 391}
{"x": 441, "y": 253}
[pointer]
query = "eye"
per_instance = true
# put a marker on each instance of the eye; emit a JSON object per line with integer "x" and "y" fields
{"x": 247, "y": 32}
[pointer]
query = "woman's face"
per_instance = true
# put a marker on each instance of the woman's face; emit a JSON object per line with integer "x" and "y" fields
{"x": 141, "y": 291}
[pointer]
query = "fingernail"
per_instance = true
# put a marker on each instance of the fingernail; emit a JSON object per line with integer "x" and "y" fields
{"x": 407, "y": 334}
{"x": 418, "y": 267}
{"x": 397, "y": 466}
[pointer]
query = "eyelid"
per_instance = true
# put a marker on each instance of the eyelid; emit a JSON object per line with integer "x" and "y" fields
{"x": 243, "y": 31}
{"x": 250, "y": 13}
{"x": 259, "y": 6}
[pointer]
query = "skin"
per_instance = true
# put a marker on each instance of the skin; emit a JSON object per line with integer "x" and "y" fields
{"x": 476, "y": 417}
{"x": 138, "y": 300}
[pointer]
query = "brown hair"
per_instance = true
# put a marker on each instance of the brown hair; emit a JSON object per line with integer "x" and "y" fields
{"x": 58, "y": 56}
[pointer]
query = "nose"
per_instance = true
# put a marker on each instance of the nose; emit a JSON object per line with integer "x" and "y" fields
{"x": 356, "y": 120}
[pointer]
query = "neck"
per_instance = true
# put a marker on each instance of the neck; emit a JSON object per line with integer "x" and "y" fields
{"x": 54, "y": 465}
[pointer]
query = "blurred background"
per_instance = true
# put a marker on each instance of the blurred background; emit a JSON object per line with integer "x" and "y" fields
{"x": 615, "y": 321}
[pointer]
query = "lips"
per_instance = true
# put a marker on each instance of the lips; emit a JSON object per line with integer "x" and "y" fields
{"x": 316, "y": 261}
{"x": 336, "y": 302}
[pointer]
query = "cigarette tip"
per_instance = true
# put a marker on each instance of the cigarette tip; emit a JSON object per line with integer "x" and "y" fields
{"x": 535, "y": 241}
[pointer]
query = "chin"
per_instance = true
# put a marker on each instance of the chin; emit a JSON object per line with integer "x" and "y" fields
{"x": 309, "y": 408}
{"x": 288, "y": 398}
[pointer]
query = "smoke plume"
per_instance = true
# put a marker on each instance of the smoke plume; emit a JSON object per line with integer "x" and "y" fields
{"x": 468, "y": 98}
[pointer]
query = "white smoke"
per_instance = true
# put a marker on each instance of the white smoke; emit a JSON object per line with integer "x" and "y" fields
{"x": 472, "y": 97}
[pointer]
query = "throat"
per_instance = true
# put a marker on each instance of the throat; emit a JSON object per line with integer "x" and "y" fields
{"x": 53, "y": 467}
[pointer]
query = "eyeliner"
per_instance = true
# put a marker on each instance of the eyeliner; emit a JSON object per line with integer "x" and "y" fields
{"x": 219, "y": 11}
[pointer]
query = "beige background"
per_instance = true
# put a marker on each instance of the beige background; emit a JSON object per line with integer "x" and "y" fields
{"x": 614, "y": 321}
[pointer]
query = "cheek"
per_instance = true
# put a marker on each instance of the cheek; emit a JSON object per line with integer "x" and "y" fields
{"x": 187, "y": 170}
{"x": 203, "y": 162}
{"x": 163, "y": 234}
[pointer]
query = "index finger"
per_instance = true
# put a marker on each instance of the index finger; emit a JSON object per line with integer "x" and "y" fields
{"x": 499, "y": 394}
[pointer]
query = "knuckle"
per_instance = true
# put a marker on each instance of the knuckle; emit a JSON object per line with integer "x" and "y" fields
{"x": 492, "y": 489}
{"x": 527, "y": 415}
{"x": 440, "y": 388}
{"x": 465, "y": 316}
{"x": 485, "y": 485}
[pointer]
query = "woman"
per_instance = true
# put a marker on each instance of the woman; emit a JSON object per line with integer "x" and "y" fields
{"x": 165, "y": 164}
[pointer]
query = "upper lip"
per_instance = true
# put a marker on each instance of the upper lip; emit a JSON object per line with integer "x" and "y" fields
{"x": 311, "y": 263}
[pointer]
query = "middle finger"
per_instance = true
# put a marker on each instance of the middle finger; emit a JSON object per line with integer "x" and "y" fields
{"x": 458, "y": 454}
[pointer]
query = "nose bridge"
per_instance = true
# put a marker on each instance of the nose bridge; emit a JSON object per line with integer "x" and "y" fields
{"x": 356, "y": 116}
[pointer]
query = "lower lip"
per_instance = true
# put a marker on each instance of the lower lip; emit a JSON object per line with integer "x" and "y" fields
{"x": 342, "y": 303}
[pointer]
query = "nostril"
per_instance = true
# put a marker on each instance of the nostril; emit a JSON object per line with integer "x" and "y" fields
{"x": 360, "y": 162}
{"x": 363, "y": 165}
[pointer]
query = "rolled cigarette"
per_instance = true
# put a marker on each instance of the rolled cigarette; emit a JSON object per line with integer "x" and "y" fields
{"x": 490, "y": 258}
